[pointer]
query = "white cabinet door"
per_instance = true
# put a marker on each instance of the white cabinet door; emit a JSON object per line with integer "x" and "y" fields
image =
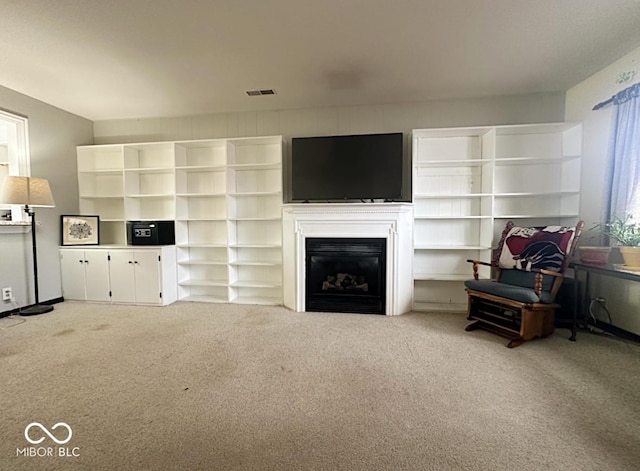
{"x": 135, "y": 276}
{"x": 147, "y": 276}
{"x": 96, "y": 269}
{"x": 72, "y": 266}
{"x": 123, "y": 288}
{"x": 85, "y": 274}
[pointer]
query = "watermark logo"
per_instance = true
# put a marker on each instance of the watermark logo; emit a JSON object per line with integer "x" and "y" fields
{"x": 49, "y": 434}
{"x": 35, "y": 433}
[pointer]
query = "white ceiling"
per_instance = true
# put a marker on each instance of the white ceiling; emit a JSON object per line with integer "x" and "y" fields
{"x": 110, "y": 59}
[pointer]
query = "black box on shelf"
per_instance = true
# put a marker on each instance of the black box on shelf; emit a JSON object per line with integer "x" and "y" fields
{"x": 151, "y": 233}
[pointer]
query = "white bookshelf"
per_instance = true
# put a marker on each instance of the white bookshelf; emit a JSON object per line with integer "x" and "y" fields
{"x": 468, "y": 182}
{"x": 225, "y": 196}
{"x": 101, "y": 189}
{"x": 201, "y": 227}
{"x": 537, "y": 172}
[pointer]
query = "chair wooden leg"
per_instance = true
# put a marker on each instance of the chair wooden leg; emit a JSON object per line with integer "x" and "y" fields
{"x": 530, "y": 324}
{"x": 548, "y": 324}
{"x": 516, "y": 342}
{"x": 473, "y": 326}
{"x": 539, "y": 323}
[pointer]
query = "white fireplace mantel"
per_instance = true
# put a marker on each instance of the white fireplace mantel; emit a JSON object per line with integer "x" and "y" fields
{"x": 391, "y": 221}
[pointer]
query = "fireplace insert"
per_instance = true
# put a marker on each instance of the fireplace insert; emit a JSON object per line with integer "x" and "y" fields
{"x": 345, "y": 275}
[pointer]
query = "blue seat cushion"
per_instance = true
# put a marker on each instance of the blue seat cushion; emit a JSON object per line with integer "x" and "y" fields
{"x": 505, "y": 290}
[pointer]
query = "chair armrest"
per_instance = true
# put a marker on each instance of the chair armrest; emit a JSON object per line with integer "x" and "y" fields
{"x": 548, "y": 272}
{"x": 539, "y": 272}
{"x": 480, "y": 262}
{"x": 475, "y": 266}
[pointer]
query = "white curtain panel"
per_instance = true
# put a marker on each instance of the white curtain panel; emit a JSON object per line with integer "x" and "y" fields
{"x": 624, "y": 159}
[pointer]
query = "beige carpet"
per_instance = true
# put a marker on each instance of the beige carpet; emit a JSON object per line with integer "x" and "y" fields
{"x": 215, "y": 387}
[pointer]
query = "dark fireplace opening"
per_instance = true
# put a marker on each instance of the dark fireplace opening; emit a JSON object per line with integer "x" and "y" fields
{"x": 345, "y": 275}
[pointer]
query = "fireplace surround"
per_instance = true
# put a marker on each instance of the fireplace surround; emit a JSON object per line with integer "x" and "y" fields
{"x": 389, "y": 222}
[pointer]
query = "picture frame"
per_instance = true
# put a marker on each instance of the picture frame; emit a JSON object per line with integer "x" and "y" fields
{"x": 79, "y": 230}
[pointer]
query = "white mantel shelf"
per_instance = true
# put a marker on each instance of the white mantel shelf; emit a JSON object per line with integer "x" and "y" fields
{"x": 390, "y": 221}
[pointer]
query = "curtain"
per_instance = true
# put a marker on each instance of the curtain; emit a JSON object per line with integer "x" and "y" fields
{"x": 623, "y": 193}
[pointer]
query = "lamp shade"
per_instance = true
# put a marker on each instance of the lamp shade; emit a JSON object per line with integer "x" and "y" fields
{"x": 26, "y": 190}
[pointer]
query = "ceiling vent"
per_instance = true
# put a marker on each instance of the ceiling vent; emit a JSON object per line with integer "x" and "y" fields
{"x": 267, "y": 91}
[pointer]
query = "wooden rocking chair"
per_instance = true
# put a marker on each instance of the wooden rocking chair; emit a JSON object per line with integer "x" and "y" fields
{"x": 529, "y": 267}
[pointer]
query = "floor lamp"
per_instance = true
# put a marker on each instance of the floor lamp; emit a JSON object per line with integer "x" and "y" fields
{"x": 29, "y": 192}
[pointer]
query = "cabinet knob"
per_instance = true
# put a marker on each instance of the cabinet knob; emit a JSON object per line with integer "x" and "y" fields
{"x": 86, "y": 261}
{"x": 130, "y": 261}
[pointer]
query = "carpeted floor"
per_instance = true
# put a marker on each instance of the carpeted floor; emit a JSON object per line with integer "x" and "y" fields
{"x": 225, "y": 387}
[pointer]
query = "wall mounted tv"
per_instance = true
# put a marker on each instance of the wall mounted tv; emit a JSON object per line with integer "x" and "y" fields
{"x": 337, "y": 168}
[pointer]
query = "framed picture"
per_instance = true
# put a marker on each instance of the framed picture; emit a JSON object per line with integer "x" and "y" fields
{"x": 80, "y": 230}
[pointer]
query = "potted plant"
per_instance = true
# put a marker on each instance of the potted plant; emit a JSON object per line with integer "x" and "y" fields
{"x": 594, "y": 254}
{"x": 626, "y": 233}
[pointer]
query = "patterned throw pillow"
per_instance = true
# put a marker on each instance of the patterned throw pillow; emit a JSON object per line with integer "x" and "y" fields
{"x": 527, "y": 248}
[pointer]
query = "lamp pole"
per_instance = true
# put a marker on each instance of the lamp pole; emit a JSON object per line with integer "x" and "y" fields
{"x": 32, "y": 216}
{"x": 37, "y": 308}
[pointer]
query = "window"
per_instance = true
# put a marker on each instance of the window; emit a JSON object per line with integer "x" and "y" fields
{"x": 14, "y": 154}
{"x": 623, "y": 174}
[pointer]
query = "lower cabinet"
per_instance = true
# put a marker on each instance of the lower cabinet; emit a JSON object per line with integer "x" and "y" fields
{"x": 126, "y": 275}
{"x": 85, "y": 274}
{"x": 137, "y": 276}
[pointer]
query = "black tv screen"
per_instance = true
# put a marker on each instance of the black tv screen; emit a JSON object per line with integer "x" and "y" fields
{"x": 358, "y": 167}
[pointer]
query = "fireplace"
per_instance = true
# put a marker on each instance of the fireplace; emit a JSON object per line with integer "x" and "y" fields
{"x": 345, "y": 275}
{"x": 388, "y": 222}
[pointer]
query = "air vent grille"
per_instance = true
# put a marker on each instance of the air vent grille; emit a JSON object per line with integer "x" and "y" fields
{"x": 266, "y": 91}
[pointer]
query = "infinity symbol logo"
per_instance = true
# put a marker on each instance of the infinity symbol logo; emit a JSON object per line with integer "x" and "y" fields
{"x": 44, "y": 429}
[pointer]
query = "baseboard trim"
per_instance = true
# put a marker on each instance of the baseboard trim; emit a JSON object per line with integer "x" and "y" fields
{"x": 18, "y": 309}
{"x": 617, "y": 331}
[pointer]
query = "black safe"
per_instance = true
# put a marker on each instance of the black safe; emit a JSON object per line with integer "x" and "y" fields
{"x": 151, "y": 233}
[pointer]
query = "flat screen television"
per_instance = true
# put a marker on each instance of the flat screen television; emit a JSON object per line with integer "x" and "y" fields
{"x": 338, "y": 168}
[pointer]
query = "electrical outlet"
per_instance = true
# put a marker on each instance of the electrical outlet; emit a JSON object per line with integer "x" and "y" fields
{"x": 7, "y": 294}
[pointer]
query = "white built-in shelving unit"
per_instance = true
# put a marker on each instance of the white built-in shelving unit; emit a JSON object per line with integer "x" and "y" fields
{"x": 468, "y": 182}
{"x": 225, "y": 196}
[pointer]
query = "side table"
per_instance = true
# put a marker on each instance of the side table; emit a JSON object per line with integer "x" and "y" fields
{"x": 582, "y": 296}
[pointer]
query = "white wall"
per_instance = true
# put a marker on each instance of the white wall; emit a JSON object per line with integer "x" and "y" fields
{"x": 534, "y": 108}
{"x": 522, "y": 109}
{"x": 53, "y": 135}
{"x": 623, "y": 298}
